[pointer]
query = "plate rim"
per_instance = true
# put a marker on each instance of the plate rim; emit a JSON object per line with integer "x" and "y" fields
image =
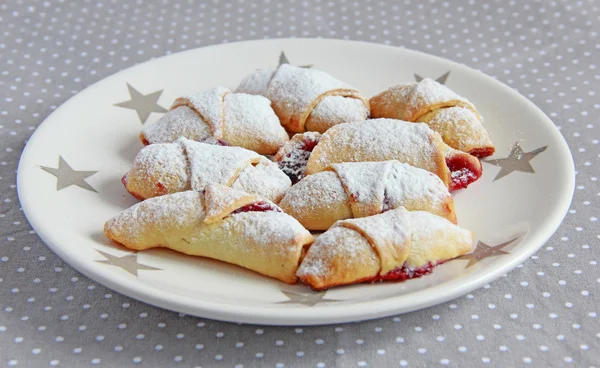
{"x": 305, "y": 316}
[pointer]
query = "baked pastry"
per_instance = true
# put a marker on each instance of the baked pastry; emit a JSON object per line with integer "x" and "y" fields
{"x": 219, "y": 223}
{"x": 395, "y": 245}
{"x": 167, "y": 168}
{"x": 449, "y": 114}
{"x": 361, "y": 189}
{"x": 305, "y": 98}
{"x": 219, "y": 116}
{"x": 293, "y": 156}
{"x": 389, "y": 139}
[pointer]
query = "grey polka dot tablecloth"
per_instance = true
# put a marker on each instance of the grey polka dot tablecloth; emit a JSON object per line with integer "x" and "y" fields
{"x": 544, "y": 313}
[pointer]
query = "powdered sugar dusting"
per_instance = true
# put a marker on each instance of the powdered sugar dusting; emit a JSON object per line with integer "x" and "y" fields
{"x": 364, "y": 183}
{"x": 270, "y": 228}
{"x": 332, "y": 248}
{"x": 221, "y": 200}
{"x": 250, "y": 122}
{"x": 165, "y": 164}
{"x": 153, "y": 221}
{"x": 294, "y": 91}
{"x": 389, "y": 233}
{"x": 435, "y": 239}
{"x": 209, "y": 104}
{"x": 460, "y": 125}
{"x": 429, "y": 92}
{"x": 333, "y": 110}
{"x": 179, "y": 122}
{"x": 375, "y": 140}
{"x": 406, "y": 185}
{"x": 317, "y": 196}
{"x": 215, "y": 164}
{"x": 263, "y": 178}
{"x": 257, "y": 82}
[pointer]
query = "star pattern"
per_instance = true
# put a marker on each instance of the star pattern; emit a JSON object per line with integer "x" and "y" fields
{"x": 143, "y": 105}
{"x": 441, "y": 79}
{"x": 309, "y": 300}
{"x": 483, "y": 251}
{"x": 127, "y": 263}
{"x": 284, "y": 60}
{"x": 517, "y": 160}
{"x": 66, "y": 176}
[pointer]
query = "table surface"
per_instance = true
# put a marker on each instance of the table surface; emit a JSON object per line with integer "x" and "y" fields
{"x": 544, "y": 313}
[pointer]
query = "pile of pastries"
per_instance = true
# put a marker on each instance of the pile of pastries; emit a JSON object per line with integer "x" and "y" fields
{"x": 297, "y": 176}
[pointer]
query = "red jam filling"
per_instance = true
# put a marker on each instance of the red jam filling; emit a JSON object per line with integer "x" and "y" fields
{"x": 293, "y": 164}
{"x": 403, "y": 273}
{"x": 482, "y": 152}
{"x": 462, "y": 172}
{"x": 257, "y": 207}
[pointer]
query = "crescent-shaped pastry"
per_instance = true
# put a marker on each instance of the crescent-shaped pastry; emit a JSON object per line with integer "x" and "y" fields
{"x": 395, "y": 245}
{"x": 449, "y": 114}
{"x": 167, "y": 168}
{"x": 389, "y": 139}
{"x": 305, "y": 98}
{"x": 219, "y": 116}
{"x": 361, "y": 189}
{"x": 219, "y": 223}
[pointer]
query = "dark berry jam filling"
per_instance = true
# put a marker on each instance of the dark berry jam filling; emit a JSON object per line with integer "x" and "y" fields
{"x": 257, "y": 207}
{"x": 293, "y": 164}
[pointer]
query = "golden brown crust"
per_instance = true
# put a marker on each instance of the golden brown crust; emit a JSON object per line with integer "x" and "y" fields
{"x": 206, "y": 224}
{"x": 166, "y": 168}
{"x": 220, "y": 116}
{"x": 361, "y": 189}
{"x": 334, "y": 110}
{"x": 461, "y": 129}
{"x": 356, "y": 260}
{"x": 296, "y": 93}
{"x": 317, "y": 201}
{"x": 449, "y": 114}
{"x": 381, "y": 247}
{"x": 381, "y": 140}
{"x": 410, "y": 101}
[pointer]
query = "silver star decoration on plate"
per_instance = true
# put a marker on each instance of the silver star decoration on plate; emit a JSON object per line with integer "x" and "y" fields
{"x": 517, "y": 160}
{"x": 284, "y": 60}
{"x": 127, "y": 263}
{"x": 66, "y": 176}
{"x": 143, "y": 105}
{"x": 483, "y": 251}
{"x": 441, "y": 79}
{"x": 309, "y": 300}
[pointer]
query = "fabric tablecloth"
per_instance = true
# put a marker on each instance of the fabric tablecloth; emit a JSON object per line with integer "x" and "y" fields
{"x": 544, "y": 313}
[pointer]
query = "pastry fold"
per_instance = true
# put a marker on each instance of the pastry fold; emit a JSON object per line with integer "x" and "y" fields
{"x": 361, "y": 189}
{"x": 219, "y": 116}
{"x": 389, "y": 139}
{"x": 219, "y": 223}
{"x": 449, "y": 114}
{"x": 394, "y": 245}
{"x": 167, "y": 168}
{"x": 306, "y": 99}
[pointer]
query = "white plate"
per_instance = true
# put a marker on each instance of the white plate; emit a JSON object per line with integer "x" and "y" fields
{"x": 91, "y": 134}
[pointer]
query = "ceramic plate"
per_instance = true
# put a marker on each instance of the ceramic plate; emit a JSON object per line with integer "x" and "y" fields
{"x": 69, "y": 184}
